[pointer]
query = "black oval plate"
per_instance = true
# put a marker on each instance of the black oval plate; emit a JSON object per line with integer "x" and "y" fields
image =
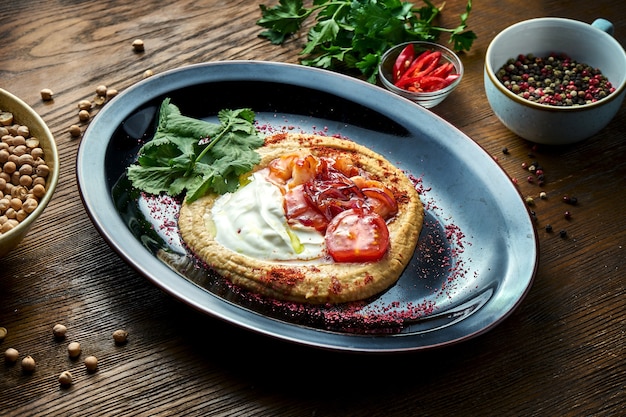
{"x": 476, "y": 256}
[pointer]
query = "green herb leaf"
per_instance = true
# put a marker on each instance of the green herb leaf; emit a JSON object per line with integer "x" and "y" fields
{"x": 350, "y": 35}
{"x": 282, "y": 20}
{"x": 193, "y": 156}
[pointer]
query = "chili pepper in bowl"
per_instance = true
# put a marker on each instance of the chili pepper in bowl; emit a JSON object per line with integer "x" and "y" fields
{"x": 427, "y": 72}
{"x": 424, "y": 72}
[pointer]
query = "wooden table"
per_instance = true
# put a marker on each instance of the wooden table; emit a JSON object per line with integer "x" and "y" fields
{"x": 562, "y": 352}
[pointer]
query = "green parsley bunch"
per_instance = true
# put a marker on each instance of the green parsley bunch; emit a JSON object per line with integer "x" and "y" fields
{"x": 352, "y": 35}
{"x": 192, "y": 157}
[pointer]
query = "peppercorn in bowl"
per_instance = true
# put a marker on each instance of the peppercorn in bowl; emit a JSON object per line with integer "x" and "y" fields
{"x": 555, "y": 81}
{"x": 29, "y": 169}
{"x": 424, "y": 72}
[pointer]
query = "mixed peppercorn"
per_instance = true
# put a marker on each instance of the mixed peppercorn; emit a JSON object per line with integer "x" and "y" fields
{"x": 555, "y": 80}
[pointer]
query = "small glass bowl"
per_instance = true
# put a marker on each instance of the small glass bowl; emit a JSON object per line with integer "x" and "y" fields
{"x": 424, "y": 99}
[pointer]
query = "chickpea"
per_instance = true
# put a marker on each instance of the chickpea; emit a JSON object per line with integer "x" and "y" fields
{"x": 26, "y": 169}
{"x": 38, "y": 189}
{"x": 10, "y": 224}
{"x": 32, "y": 143}
{"x": 73, "y": 349}
{"x": 22, "y": 167}
{"x": 46, "y": 94}
{"x": 138, "y": 45}
{"x": 30, "y": 205}
{"x": 9, "y": 167}
{"x": 19, "y": 192}
{"x": 26, "y": 159}
{"x": 43, "y": 170}
{"x": 3, "y": 333}
{"x": 59, "y": 330}
{"x": 65, "y": 378}
{"x": 101, "y": 90}
{"x": 83, "y": 115}
{"x": 36, "y": 153}
{"x": 91, "y": 363}
{"x": 6, "y": 118}
{"x": 11, "y": 355}
{"x": 99, "y": 100}
{"x": 84, "y": 105}
{"x": 28, "y": 364}
{"x": 19, "y": 140}
{"x": 111, "y": 92}
{"x": 15, "y": 178}
{"x": 75, "y": 130}
{"x": 23, "y": 131}
{"x": 21, "y": 215}
{"x": 26, "y": 180}
{"x": 148, "y": 73}
{"x": 16, "y": 203}
{"x": 120, "y": 336}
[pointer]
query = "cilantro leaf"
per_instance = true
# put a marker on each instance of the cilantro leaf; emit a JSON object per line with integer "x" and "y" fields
{"x": 282, "y": 20}
{"x": 192, "y": 156}
{"x": 351, "y": 35}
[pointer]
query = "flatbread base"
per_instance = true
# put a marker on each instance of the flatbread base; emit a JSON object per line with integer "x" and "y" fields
{"x": 306, "y": 281}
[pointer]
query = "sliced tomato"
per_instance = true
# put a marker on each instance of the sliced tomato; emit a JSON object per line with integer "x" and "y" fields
{"x": 298, "y": 208}
{"x": 357, "y": 235}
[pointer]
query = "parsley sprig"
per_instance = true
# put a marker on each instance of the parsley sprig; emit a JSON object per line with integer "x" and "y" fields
{"x": 191, "y": 156}
{"x": 353, "y": 34}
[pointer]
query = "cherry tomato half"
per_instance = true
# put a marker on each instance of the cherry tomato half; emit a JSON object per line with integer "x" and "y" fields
{"x": 357, "y": 235}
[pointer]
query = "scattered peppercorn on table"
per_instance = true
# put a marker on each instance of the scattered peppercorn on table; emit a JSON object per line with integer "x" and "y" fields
{"x": 561, "y": 352}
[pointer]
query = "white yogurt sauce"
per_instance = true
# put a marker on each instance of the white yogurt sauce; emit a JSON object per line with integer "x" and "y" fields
{"x": 252, "y": 221}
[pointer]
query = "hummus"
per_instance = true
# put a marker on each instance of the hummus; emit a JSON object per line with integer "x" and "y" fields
{"x": 245, "y": 236}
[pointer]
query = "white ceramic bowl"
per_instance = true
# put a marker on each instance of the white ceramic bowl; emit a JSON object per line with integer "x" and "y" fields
{"x": 584, "y": 43}
{"x": 424, "y": 99}
{"x": 25, "y": 115}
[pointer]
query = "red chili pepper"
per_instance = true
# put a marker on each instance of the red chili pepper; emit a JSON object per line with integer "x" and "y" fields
{"x": 425, "y": 84}
{"x": 403, "y": 61}
{"x": 421, "y": 67}
{"x": 443, "y": 70}
{"x": 450, "y": 79}
{"x": 416, "y": 65}
{"x": 431, "y": 83}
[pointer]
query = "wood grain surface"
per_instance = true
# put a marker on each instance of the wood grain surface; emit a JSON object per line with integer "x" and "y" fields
{"x": 561, "y": 353}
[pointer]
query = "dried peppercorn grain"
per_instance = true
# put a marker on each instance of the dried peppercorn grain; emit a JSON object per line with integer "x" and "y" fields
{"x": 555, "y": 80}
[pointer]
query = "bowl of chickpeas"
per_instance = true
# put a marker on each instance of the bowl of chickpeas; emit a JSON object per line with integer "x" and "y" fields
{"x": 29, "y": 169}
